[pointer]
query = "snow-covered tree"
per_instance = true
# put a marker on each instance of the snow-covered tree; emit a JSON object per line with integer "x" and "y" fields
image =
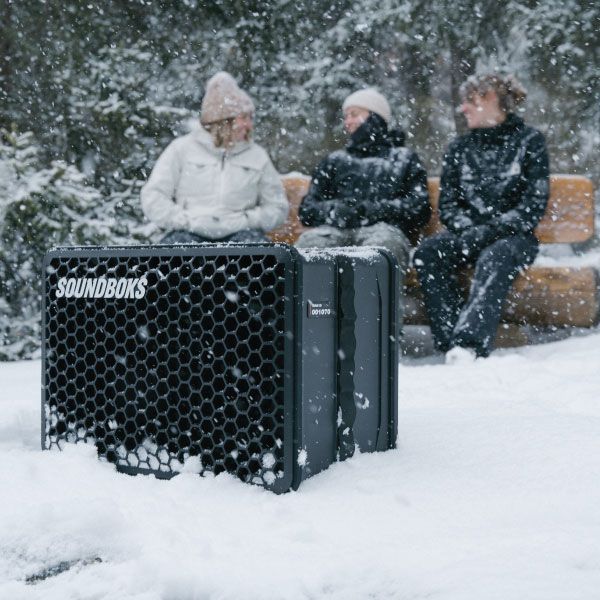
{"x": 40, "y": 207}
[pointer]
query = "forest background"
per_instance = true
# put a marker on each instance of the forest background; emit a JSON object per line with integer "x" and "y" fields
{"x": 91, "y": 92}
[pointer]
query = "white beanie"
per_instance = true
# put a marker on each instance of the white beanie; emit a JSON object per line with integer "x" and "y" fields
{"x": 224, "y": 99}
{"x": 372, "y": 100}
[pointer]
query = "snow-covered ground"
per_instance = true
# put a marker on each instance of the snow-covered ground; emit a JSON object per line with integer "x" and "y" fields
{"x": 562, "y": 255}
{"x": 493, "y": 493}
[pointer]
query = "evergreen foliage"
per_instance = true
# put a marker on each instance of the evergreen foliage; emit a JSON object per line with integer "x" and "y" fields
{"x": 41, "y": 206}
{"x": 102, "y": 87}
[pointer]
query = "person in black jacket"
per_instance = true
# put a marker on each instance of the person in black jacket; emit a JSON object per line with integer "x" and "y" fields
{"x": 372, "y": 193}
{"x": 493, "y": 192}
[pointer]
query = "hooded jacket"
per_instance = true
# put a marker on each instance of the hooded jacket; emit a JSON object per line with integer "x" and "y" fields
{"x": 375, "y": 178}
{"x": 211, "y": 191}
{"x": 495, "y": 182}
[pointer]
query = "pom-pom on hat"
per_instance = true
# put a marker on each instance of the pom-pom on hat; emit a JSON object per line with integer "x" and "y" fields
{"x": 372, "y": 100}
{"x": 224, "y": 99}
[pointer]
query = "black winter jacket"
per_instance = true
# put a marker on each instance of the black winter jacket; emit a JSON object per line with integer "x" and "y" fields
{"x": 373, "y": 179}
{"x": 494, "y": 182}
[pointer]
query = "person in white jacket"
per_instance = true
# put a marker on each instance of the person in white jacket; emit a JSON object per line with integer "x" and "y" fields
{"x": 215, "y": 183}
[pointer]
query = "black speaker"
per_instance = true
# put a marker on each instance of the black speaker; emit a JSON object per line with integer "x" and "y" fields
{"x": 264, "y": 361}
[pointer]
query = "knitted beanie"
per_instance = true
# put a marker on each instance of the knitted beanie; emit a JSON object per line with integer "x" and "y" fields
{"x": 372, "y": 100}
{"x": 224, "y": 99}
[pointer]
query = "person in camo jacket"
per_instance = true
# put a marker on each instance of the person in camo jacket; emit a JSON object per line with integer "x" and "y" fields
{"x": 493, "y": 192}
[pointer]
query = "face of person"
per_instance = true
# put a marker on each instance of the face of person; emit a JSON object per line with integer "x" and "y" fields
{"x": 354, "y": 117}
{"x": 482, "y": 111}
{"x": 242, "y": 127}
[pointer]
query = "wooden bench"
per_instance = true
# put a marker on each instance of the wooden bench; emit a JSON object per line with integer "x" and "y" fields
{"x": 543, "y": 297}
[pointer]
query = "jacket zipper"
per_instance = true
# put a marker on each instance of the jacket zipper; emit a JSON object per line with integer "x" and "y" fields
{"x": 221, "y": 177}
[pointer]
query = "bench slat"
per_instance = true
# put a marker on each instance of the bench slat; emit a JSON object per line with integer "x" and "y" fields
{"x": 570, "y": 214}
{"x": 542, "y": 296}
{"x": 296, "y": 186}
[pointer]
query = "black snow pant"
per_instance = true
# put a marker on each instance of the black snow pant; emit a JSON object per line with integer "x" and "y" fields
{"x": 471, "y": 323}
{"x": 245, "y": 236}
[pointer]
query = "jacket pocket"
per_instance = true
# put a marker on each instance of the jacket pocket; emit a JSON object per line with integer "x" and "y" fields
{"x": 240, "y": 187}
{"x": 198, "y": 180}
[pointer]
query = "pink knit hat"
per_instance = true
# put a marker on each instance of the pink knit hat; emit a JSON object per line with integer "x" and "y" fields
{"x": 224, "y": 99}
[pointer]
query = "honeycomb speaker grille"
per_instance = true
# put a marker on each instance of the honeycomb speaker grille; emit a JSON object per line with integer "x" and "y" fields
{"x": 156, "y": 359}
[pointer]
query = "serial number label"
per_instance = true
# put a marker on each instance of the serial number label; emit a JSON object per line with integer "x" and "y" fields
{"x": 319, "y": 309}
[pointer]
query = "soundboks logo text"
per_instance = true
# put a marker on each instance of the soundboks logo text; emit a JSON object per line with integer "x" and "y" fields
{"x": 101, "y": 287}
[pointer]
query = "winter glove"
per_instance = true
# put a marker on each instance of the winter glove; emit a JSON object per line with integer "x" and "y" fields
{"x": 343, "y": 214}
{"x": 511, "y": 223}
{"x": 371, "y": 212}
{"x": 475, "y": 239}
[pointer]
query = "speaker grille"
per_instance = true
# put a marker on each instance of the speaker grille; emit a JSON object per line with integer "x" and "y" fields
{"x": 193, "y": 368}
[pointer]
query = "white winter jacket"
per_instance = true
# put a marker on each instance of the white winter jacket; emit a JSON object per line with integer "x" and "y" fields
{"x": 212, "y": 192}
